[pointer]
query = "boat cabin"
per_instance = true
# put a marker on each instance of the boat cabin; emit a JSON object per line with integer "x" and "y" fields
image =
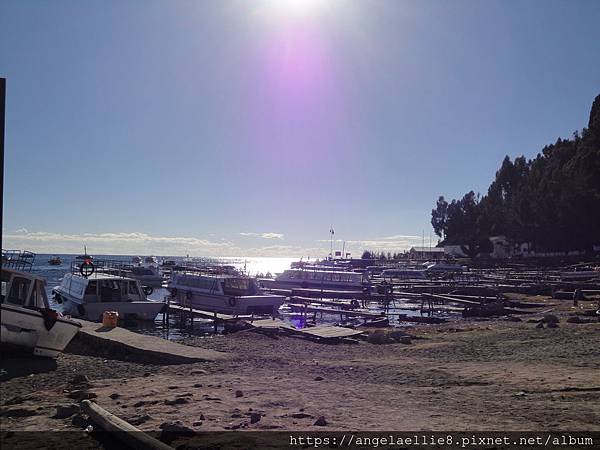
{"x": 322, "y": 276}
{"x": 225, "y": 285}
{"x": 102, "y": 288}
{"x": 23, "y": 289}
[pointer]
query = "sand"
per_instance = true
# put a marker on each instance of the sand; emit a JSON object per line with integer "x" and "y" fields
{"x": 467, "y": 375}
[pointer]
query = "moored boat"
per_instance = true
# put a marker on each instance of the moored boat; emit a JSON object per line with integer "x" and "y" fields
{"x": 89, "y": 294}
{"x": 55, "y": 261}
{"x": 222, "y": 293}
{"x": 27, "y": 323}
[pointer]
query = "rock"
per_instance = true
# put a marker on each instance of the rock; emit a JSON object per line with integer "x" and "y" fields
{"x": 185, "y": 394}
{"x": 239, "y": 394}
{"x": 198, "y": 385}
{"x": 318, "y": 378}
{"x": 550, "y": 318}
{"x": 255, "y": 417}
{"x": 79, "y": 421}
{"x": 321, "y": 422}
{"x": 146, "y": 374}
{"x": 301, "y": 415}
{"x": 138, "y": 420}
{"x": 145, "y": 402}
{"x": 197, "y": 424}
{"x": 173, "y": 387}
{"x": 114, "y": 396}
{"x": 198, "y": 372}
{"x": 177, "y": 401}
{"x": 65, "y": 411}
{"x": 202, "y": 417}
{"x": 171, "y": 430}
{"x": 79, "y": 379}
{"x": 81, "y": 394}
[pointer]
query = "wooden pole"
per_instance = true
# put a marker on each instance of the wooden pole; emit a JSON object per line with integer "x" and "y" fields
{"x": 121, "y": 429}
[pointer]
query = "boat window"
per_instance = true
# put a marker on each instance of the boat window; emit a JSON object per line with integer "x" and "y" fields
{"x": 18, "y": 290}
{"x": 91, "y": 288}
{"x": 133, "y": 288}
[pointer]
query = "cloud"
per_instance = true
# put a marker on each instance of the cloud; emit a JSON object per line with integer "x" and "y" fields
{"x": 22, "y": 230}
{"x": 264, "y": 235}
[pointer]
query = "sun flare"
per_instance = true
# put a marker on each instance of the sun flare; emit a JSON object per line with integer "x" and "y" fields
{"x": 297, "y": 7}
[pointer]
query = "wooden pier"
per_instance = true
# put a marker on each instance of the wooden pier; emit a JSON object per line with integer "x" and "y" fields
{"x": 322, "y": 332}
{"x": 149, "y": 348}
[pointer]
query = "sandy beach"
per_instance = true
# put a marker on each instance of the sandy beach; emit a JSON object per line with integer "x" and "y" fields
{"x": 470, "y": 375}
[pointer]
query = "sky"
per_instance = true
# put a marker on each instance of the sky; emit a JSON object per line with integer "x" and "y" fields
{"x": 251, "y": 128}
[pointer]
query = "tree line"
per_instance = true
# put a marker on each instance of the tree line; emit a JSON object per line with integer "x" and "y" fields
{"x": 551, "y": 201}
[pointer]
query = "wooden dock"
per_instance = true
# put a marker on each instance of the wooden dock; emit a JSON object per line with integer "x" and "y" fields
{"x": 350, "y": 313}
{"x": 218, "y": 317}
{"x": 149, "y": 348}
{"x": 322, "y": 332}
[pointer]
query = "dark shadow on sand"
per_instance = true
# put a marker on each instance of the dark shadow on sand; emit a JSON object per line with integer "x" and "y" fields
{"x": 13, "y": 366}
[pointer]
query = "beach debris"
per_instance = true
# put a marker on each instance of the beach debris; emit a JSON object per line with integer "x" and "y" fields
{"x": 239, "y": 394}
{"x": 177, "y": 401}
{"x": 198, "y": 372}
{"x": 173, "y": 386}
{"x": 145, "y": 402}
{"x": 89, "y": 429}
{"x": 146, "y": 374}
{"x": 255, "y": 417}
{"x": 319, "y": 378}
{"x": 321, "y": 422}
{"x": 65, "y": 411}
{"x": 114, "y": 396}
{"x": 379, "y": 337}
{"x": 81, "y": 394}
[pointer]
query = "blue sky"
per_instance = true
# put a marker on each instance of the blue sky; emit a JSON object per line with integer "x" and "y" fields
{"x": 250, "y": 127}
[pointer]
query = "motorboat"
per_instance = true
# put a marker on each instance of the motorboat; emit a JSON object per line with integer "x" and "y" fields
{"x": 27, "y": 323}
{"x": 88, "y": 294}
{"x": 222, "y": 293}
{"x": 147, "y": 275}
{"x": 136, "y": 260}
{"x": 320, "y": 279}
{"x": 55, "y": 261}
{"x": 579, "y": 273}
{"x": 404, "y": 274}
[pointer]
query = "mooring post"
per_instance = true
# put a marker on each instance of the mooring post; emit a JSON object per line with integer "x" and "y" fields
{"x": 215, "y": 321}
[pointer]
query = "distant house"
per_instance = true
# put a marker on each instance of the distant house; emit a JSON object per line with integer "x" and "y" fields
{"x": 426, "y": 253}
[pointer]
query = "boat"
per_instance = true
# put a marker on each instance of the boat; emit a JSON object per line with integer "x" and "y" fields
{"x": 404, "y": 274}
{"x": 320, "y": 279}
{"x": 579, "y": 273}
{"x": 85, "y": 256}
{"x": 443, "y": 267}
{"x": 87, "y": 293}
{"x": 136, "y": 260}
{"x": 28, "y": 324}
{"x": 222, "y": 293}
{"x": 147, "y": 275}
{"x": 55, "y": 261}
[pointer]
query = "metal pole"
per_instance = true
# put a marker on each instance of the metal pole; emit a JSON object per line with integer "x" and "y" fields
{"x": 2, "y": 121}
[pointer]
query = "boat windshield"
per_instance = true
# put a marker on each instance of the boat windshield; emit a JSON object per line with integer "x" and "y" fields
{"x": 239, "y": 286}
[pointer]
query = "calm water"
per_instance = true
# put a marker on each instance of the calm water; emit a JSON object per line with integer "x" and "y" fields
{"x": 174, "y": 330}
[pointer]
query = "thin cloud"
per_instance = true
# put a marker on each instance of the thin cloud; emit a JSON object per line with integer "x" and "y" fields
{"x": 264, "y": 235}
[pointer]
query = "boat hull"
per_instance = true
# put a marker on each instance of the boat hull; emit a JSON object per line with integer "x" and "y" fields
{"x": 239, "y": 305}
{"x": 141, "y": 310}
{"x": 24, "y": 329}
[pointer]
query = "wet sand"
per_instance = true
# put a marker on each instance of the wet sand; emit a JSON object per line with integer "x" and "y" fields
{"x": 468, "y": 375}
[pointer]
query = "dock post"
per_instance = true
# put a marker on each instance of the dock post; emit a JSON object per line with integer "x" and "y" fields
{"x": 215, "y": 321}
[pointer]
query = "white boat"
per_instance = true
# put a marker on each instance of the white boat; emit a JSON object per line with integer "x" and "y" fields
{"x": 404, "y": 274}
{"x": 222, "y": 293}
{"x": 581, "y": 273}
{"x": 320, "y": 279}
{"x": 27, "y": 322}
{"x": 147, "y": 276}
{"x": 89, "y": 297}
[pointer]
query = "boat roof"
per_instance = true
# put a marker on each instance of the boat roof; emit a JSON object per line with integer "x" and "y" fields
{"x": 101, "y": 276}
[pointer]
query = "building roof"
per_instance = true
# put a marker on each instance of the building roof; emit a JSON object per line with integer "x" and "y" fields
{"x": 427, "y": 249}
